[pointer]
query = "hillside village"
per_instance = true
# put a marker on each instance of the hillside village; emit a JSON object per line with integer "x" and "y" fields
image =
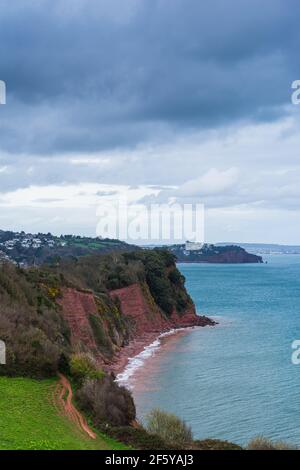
{"x": 25, "y": 249}
{"x": 12, "y": 243}
{"x": 29, "y": 241}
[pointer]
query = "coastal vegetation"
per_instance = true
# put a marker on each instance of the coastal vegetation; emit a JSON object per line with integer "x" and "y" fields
{"x": 36, "y": 335}
{"x": 83, "y": 367}
{"x": 171, "y": 428}
{"x": 263, "y": 443}
{"x": 106, "y": 402}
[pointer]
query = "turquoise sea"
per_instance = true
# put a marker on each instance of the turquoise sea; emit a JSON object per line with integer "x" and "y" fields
{"x": 236, "y": 380}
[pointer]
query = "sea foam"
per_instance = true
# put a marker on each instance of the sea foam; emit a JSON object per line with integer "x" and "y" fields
{"x": 125, "y": 378}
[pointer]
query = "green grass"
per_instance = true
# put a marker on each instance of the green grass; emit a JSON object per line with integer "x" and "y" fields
{"x": 93, "y": 244}
{"x": 30, "y": 420}
{"x": 87, "y": 244}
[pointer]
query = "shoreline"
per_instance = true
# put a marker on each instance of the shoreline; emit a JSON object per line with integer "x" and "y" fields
{"x": 137, "y": 361}
{"x": 134, "y": 355}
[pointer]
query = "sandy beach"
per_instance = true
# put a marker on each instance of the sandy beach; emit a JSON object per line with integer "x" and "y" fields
{"x": 134, "y": 356}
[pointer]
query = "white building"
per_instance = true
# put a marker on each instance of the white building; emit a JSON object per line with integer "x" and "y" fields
{"x": 193, "y": 246}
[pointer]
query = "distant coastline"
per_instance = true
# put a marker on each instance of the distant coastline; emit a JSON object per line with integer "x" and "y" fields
{"x": 208, "y": 253}
{"x": 266, "y": 248}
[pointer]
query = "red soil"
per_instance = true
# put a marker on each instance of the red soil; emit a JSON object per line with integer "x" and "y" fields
{"x": 147, "y": 318}
{"x": 77, "y": 306}
{"x": 69, "y": 409}
{"x": 136, "y": 304}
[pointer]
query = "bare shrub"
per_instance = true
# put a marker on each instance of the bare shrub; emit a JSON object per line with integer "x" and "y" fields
{"x": 83, "y": 366}
{"x": 32, "y": 327}
{"x": 263, "y": 443}
{"x": 169, "y": 427}
{"x": 137, "y": 437}
{"x": 107, "y": 402}
{"x": 215, "y": 444}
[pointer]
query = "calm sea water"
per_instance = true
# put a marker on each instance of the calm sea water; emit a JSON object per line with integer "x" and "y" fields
{"x": 236, "y": 380}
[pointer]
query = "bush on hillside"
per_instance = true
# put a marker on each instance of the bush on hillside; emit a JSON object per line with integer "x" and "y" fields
{"x": 107, "y": 402}
{"x": 29, "y": 352}
{"x": 176, "y": 277}
{"x": 83, "y": 366}
{"x": 169, "y": 427}
{"x": 263, "y": 443}
{"x": 34, "y": 331}
{"x": 137, "y": 437}
{"x": 215, "y": 444}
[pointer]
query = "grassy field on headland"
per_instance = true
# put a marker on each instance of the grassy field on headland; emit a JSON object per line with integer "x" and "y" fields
{"x": 30, "y": 420}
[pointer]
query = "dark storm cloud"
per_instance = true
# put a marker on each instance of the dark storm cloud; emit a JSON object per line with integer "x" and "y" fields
{"x": 87, "y": 76}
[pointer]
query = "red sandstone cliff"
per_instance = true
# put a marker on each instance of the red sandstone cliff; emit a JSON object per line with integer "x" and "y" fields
{"x": 138, "y": 305}
{"x": 77, "y": 306}
{"x": 94, "y": 324}
{"x": 142, "y": 318}
{"x": 144, "y": 314}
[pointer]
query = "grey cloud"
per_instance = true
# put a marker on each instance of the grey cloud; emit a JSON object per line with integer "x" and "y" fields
{"x": 229, "y": 188}
{"x": 101, "y": 75}
{"x": 165, "y": 91}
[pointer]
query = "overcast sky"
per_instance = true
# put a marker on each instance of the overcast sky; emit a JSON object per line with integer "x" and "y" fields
{"x": 182, "y": 99}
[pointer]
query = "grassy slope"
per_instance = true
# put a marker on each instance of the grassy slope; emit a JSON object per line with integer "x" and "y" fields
{"x": 29, "y": 419}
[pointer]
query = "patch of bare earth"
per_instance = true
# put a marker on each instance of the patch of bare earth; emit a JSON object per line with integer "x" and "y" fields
{"x": 63, "y": 396}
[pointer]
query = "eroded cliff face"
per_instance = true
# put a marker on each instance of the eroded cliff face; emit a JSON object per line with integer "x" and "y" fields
{"x": 77, "y": 306}
{"x": 138, "y": 305}
{"x": 96, "y": 324}
{"x": 115, "y": 328}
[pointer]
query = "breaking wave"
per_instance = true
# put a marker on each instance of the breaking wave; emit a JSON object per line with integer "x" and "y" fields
{"x": 134, "y": 363}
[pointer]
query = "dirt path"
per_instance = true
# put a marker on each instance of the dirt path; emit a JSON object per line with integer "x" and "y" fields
{"x": 64, "y": 395}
